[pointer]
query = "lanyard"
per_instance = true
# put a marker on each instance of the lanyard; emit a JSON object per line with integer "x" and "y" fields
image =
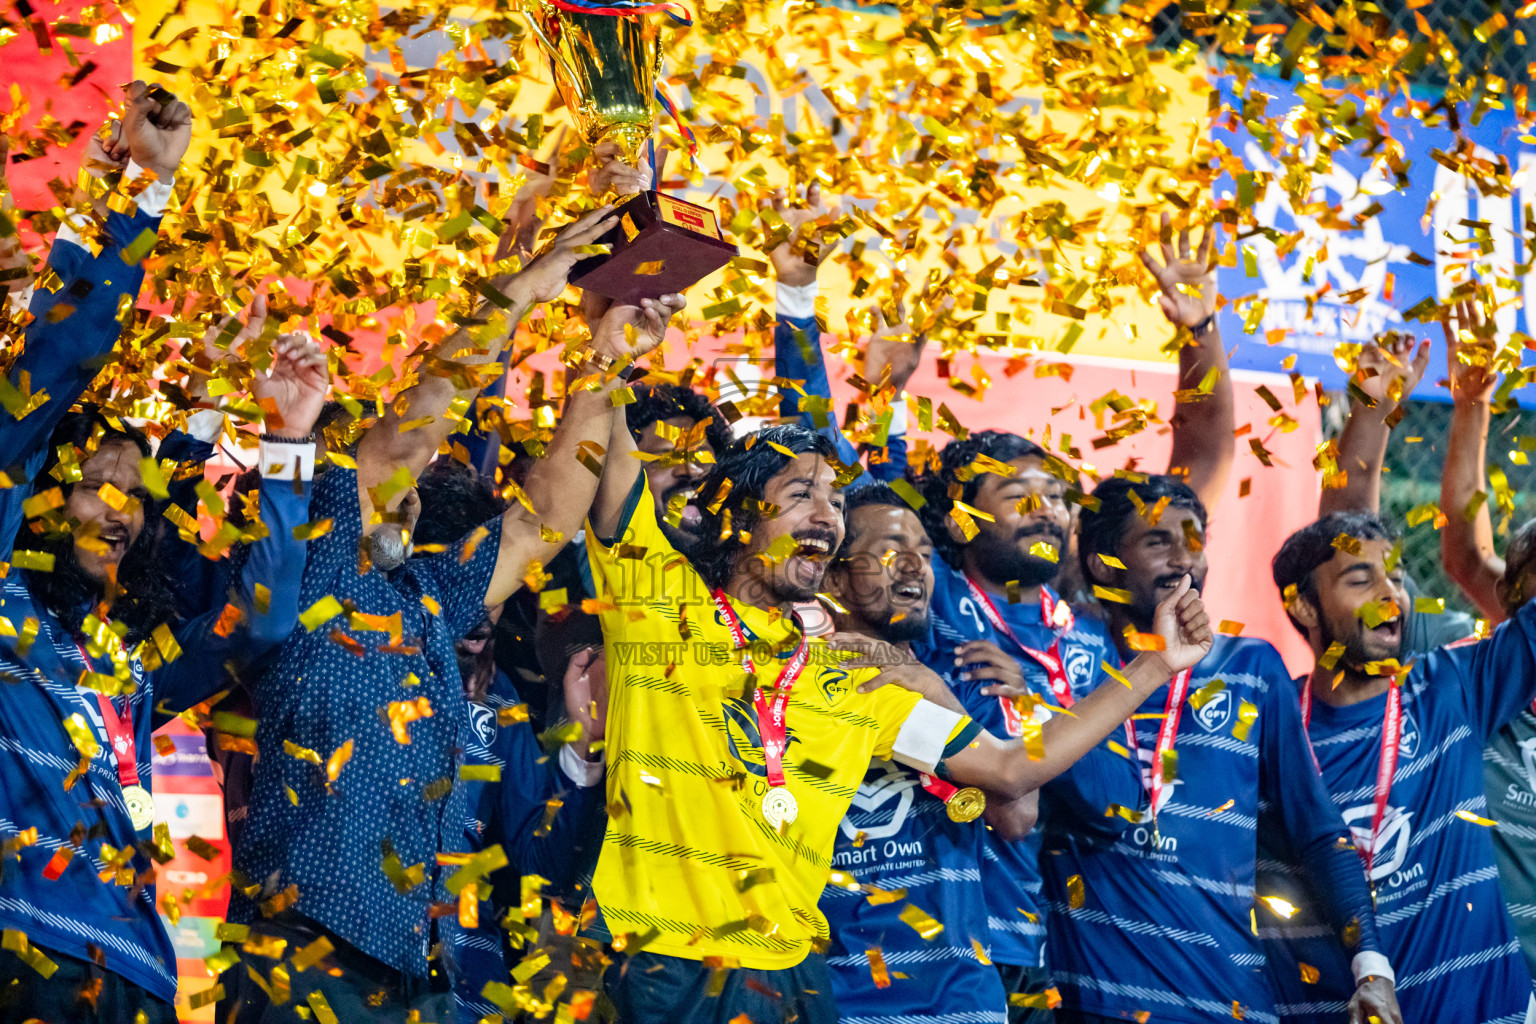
{"x": 119, "y": 728}
{"x": 1386, "y": 765}
{"x": 770, "y": 713}
{"x": 1167, "y": 731}
{"x": 1048, "y": 659}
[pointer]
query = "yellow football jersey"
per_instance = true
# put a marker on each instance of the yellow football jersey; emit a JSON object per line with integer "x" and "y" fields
{"x": 690, "y": 867}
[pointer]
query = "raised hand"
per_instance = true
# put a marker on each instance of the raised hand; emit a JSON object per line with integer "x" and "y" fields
{"x": 1181, "y": 622}
{"x": 1470, "y": 348}
{"x": 895, "y": 347}
{"x": 586, "y": 694}
{"x": 1386, "y": 373}
{"x": 789, "y": 263}
{"x": 1187, "y": 282}
{"x": 543, "y": 279}
{"x": 649, "y": 322}
{"x": 297, "y": 385}
{"x": 211, "y": 352}
{"x": 157, "y": 128}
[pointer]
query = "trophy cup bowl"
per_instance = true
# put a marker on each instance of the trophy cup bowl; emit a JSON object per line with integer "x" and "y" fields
{"x": 605, "y": 67}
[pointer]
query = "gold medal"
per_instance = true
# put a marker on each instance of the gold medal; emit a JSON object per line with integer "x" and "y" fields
{"x": 141, "y": 807}
{"x": 966, "y": 804}
{"x": 780, "y": 806}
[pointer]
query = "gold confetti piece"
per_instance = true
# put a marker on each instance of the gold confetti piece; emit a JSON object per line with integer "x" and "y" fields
{"x": 1230, "y": 628}
{"x": 37, "y": 561}
{"x": 877, "y": 969}
{"x": 529, "y": 966}
{"x": 1076, "y": 894}
{"x": 322, "y": 1009}
{"x": 1040, "y": 549}
{"x": 879, "y": 897}
{"x": 16, "y": 941}
{"x": 313, "y": 530}
{"x": 302, "y": 753}
{"x": 201, "y": 847}
{"x": 480, "y": 773}
{"x": 1203, "y": 696}
{"x": 430, "y": 604}
{"x": 1114, "y": 594}
{"x": 1476, "y": 820}
{"x": 337, "y": 761}
{"x": 1283, "y": 909}
{"x": 651, "y": 268}
{"x": 1309, "y": 975}
{"x": 323, "y": 611}
{"x": 921, "y": 922}
{"x": 1429, "y": 605}
{"x": 1247, "y": 714}
{"x": 1329, "y": 658}
{"x": 981, "y": 953}
{"x": 1111, "y": 561}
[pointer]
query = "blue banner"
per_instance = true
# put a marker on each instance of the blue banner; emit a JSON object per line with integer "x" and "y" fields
{"x": 1382, "y": 252}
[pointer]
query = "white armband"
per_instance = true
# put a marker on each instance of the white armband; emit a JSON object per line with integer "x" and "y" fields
{"x": 278, "y": 459}
{"x": 797, "y": 301}
{"x": 1372, "y": 965}
{"x": 923, "y": 736}
{"x": 154, "y": 197}
{"x": 585, "y": 774}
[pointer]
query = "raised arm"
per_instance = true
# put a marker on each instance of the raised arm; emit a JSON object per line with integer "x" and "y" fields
{"x": 1466, "y": 541}
{"x": 15, "y": 267}
{"x": 417, "y": 422}
{"x": 76, "y": 322}
{"x": 1203, "y": 412}
{"x": 266, "y": 591}
{"x": 561, "y": 487}
{"x": 1008, "y": 767}
{"x": 1385, "y": 375}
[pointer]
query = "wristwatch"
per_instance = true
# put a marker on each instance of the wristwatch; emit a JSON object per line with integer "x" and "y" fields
{"x": 596, "y": 362}
{"x": 1204, "y": 327}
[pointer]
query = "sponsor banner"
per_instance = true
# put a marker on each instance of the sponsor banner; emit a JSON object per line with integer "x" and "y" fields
{"x": 1344, "y": 284}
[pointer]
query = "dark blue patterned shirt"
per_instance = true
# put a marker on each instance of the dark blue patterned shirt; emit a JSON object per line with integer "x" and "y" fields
{"x": 354, "y": 847}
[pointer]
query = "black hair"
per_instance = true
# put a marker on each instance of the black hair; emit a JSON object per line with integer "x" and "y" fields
{"x": 861, "y": 497}
{"x": 735, "y": 487}
{"x": 1517, "y": 556}
{"x": 1101, "y": 528}
{"x": 146, "y": 597}
{"x": 1312, "y": 546}
{"x": 454, "y": 500}
{"x": 954, "y": 461}
{"x": 656, "y": 402}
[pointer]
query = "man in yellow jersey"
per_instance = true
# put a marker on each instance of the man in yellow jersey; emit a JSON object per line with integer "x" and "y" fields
{"x": 735, "y": 745}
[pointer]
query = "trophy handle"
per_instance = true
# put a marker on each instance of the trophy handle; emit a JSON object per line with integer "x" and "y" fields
{"x": 547, "y": 44}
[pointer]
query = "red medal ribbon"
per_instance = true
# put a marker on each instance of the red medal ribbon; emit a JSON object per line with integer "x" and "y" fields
{"x": 1173, "y": 710}
{"x": 119, "y": 733}
{"x": 771, "y": 724}
{"x": 1386, "y": 765}
{"x": 1049, "y": 659}
{"x": 938, "y": 787}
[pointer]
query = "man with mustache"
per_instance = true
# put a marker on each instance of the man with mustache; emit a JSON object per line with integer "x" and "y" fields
{"x": 1401, "y": 752}
{"x": 92, "y": 650}
{"x": 1003, "y": 633}
{"x": 735, "y": 748}
{"x": 356, "y": 811}
{"x": 907, "y": 831}
{"x": 1159, "y": 918}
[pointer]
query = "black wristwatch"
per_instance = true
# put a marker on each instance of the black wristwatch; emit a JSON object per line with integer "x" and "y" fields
{"x": 1204, "y": 327}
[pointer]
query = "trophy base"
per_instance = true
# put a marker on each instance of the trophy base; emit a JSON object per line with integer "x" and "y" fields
{"x": 660, "y": 245}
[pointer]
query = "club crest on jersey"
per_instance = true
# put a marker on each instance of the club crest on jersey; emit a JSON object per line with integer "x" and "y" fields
{"x": 1408, "y": 740}
{"x": 1216, "y": 712}
{"x": 1079, "y": 664}
{"x": 743, "y": 737}
{"x": 483, "y": 720}
{"x": 1390, "y": 851}
{"x": 880, "y": 807}
{"x": 1145, "y": 754}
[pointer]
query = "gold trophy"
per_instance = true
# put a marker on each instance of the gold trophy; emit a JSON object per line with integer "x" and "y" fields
{"x": 606, "y": 66}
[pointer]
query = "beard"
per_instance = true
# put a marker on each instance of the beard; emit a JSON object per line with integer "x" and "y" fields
{"x": 1143, "y": 606}
{"x": 686, "y": 536}
{"x": 911, "y": 626}
{"x": 1003, "y": 561}
{"x": 1356, "y": 655}
{"x": 145, "y": 595}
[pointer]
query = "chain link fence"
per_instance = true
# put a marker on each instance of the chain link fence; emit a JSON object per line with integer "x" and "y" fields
{"x": 1472, "y": 27}
{"x": 1411, "y": 481}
